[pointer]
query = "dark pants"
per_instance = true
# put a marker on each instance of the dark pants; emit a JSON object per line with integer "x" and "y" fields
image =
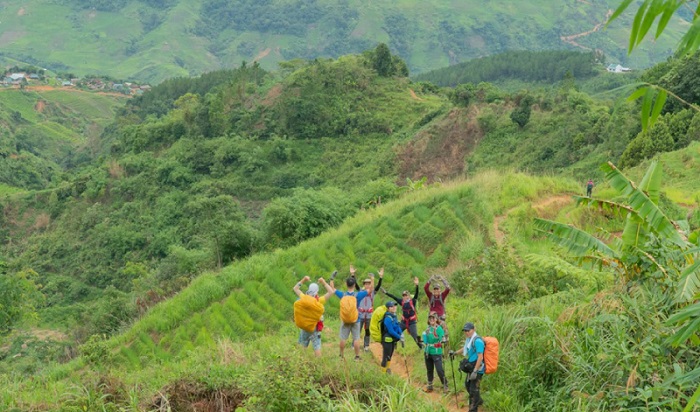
{"x": 474, "y": 392}
{"x": 387, "y": 352}
{"x": 589, "y": 191}
{"x": 364, "y": 323}
{"x": 435, "y": 362}
{"x": 413, "y": 330}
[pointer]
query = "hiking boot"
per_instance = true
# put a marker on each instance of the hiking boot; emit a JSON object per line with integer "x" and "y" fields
{"x": 366, "y": 348}
{"x": 446, "y": 388}
{"x": 388, "y": 371}
{"x": 429, "y": 388}
{"x": 357, "y": 358}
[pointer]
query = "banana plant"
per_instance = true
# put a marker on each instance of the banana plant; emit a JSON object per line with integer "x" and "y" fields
{"x": 636, "y": 253}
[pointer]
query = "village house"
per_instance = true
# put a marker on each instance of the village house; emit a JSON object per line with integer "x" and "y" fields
{"x": 616, "y": 68}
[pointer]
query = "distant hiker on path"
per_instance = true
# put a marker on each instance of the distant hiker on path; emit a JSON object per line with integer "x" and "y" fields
{"x": 366, "y": 305}
{"x": 410, "y": 316}
{"x": 391, "y": 333}
{"x": 474, "y": 352}
{"x": 349, "y": 314}
{"x": 589, "y": 188}
{"x": 313, "y": 337}
{"x": 432, "y": 341}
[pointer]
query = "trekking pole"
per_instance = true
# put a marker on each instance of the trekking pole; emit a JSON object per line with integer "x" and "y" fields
{"x": 454, "y": 380}
{"x": 405, "y": 362}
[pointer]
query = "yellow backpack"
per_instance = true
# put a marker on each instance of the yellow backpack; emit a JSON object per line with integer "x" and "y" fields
{"x": 348, "y": 309}
{"x": 307, "y": 312}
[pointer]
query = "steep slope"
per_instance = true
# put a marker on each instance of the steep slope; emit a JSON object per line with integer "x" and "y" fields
{"x": 154, "y": 40}
{"x": 435, "y": 230}
{"x": 44, "y": 132}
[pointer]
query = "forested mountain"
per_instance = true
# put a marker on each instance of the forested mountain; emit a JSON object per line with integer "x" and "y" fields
{"x": 151, "y": 40}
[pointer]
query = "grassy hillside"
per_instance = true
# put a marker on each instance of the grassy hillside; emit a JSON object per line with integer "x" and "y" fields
{"x": 228, "y": 337}
{"x": 46, "y": 131}
{"x": 440, "y": 230}
{"x": 155, "y": 40}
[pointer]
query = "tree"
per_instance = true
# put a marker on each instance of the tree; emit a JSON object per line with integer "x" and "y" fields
{"x": 462, "y": 94}
{"x": 19, "y": 298}
{"x": 382, "y": 61}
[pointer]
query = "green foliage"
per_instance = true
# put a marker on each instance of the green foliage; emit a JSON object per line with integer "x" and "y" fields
{"x": 19, "y": 299}
{"x": 462, "y": 94}
{"x": 305, "y": 214}
{"x": 95, "y": 350}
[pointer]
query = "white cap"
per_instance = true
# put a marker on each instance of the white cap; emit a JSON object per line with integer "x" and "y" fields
{"x": 313, "y": 289}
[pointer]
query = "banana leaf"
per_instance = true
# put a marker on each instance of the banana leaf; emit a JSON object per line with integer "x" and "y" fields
{"x": 690, "y": 318}
{"x": 574, "y": 240}
{"x": 643, "y": 206}
{"x": 689, "y": 284}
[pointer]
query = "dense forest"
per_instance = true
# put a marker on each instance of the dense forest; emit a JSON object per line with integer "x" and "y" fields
{"x": 548, "y": 66}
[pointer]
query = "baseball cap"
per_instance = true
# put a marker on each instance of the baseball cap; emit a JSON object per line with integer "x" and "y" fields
{"x": 468, "y": 326}
{"x": 313, "y": 289}
{"x": 390, "y": 304}
{"x": 367, "y": 280}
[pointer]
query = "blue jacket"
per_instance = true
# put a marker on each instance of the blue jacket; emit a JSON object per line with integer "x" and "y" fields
{"x": 391, "y": 328}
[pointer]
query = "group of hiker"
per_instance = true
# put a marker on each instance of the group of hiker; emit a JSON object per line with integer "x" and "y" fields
{"x": 382, "y": 324}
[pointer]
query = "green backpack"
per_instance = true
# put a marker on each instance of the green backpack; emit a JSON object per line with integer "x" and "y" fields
{"x": 375, "y": 323}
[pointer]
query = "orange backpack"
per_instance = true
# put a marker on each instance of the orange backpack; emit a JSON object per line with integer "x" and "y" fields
{"x": 348, "y": 309}
{"x": 490, "y": 354}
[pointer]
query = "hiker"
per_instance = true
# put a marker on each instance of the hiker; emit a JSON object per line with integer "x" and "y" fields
{"x": 313, "y": 337}
{"x": 349, "y": 313}
{"x": 408, "y": 306}
{"x": 589, "y": 188}
{"x": 474, "y": 352}
{"x": 366, "y": 305}
{"x": 436, "y": 301}
{"x": 391, "y": 333}
{"x": 432, "y": 342}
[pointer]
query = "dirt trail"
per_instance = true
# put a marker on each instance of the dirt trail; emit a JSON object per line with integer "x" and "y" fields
{"x": 414, "y": 96}
{"x": 571, "y": 39}
{"x": 542, "y": 207}
{"x": 398, "y": 368}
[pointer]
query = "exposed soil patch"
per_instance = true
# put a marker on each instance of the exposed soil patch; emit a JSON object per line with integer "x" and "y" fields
{"x": 438, "y": 152}
{"x": 40, "y": 106}
{"x": 186, "y": 396}
{"x": 262, "y": 54}
{"x": 21, "y": 11}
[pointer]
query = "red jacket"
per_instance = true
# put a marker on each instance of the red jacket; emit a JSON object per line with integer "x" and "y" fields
{"x": 437, "y": 304}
